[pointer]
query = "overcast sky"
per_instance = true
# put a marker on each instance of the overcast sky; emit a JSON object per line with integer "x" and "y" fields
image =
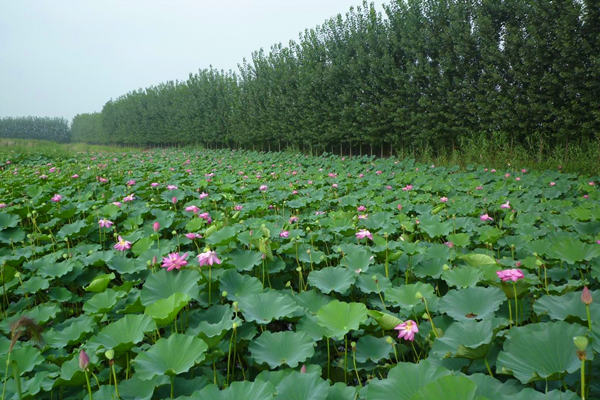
{"x": 65, "y": 57}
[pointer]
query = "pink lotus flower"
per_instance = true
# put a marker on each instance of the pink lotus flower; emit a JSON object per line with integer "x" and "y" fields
{"x": 2, "y": 205}
{"x": 238, "y": 207}
{"x": 335, "y": 185}
{"x": 104, "y": 223}
{"x": 174, "y": 261}
{"x": 361, "y": 175}
{"x": 43, "y": 176}
{"x": 52, "y": 169}
{"x": 407, "y": 188}
{"x": 174, "y": 200}
{"x": 102, "y": 180}
{"x": 74, "y": 176}
{"x": 586, "y": 296}
{"x": 193, "y": 209}
{"x": 486, "y": 217}
{"x": 193, "y": 236}
{"x": 449, "y": 244}
{"x": 524, "y": 170}
{"x": 263, "y": 188}
{"x": 363, "y": 233}
{"x": 407, "y": 330}
{"x": 208, "y": 258}
{"x": 84, "y": 360}
{"x": 493, "y": 170}
{"x": 443, "y": 199}
{"x": 122, "y": 244}
{"x": 361, "y": 208}
{"x": 117, "y": 203}
{"x": 56, "y": 198}
{"x": 363, "y": 216}
{"x": 399, "y": 207}
{"x": 552, "y": 183}
{"x": 205, "y": 216}
{"x": 479, "y": 188}
{"x": 293, "y": 219}
{"x": 131, "y": 182}
{"x": 171, "y": 187}
{"x": 505, "y": 206}
{"x": 591, "y": 183}
{"x": 513, "y": 274}
{"x": 154, "y": 184}
{"x": 203, "y": 195}
{"x": 284, "y": 234}
{"x": 156, "y": 226}
{"x": 131, "y": 197}
{"x": 379, "y": 172}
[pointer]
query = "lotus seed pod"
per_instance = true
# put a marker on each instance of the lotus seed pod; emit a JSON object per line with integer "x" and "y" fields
{"x": 109, "y": 354}
{"x": 389, "y": 340}
{"x": 173, "y": 233}
{"x": 224, "y": 293}
{"x": 418, "y": 295}
{"x": 234, "y": 325}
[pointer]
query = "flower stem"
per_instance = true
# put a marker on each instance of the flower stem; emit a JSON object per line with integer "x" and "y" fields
{"x": 355, "y": 368}
{"x": 589, "y": 316}
{"x": 328, "y": 359}
{"x": 345, "y": 359}
{"x": 516, "y": 305}
{"x": 583, "y": 379}
{"x": 87, "y": 381}
{"x": 430, "y": 319}
{"x": 112, "y": 367}
{"x": 487, "y": 365}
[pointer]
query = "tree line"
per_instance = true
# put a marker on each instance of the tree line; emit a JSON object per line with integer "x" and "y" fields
{"x": 55, "y": 129}
{"x": 423, "y": 74}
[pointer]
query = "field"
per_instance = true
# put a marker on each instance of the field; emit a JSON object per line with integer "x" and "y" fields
{"x": 221, "y": 274}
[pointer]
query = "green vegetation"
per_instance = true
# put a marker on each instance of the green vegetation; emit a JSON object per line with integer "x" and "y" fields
{"x": 177, "y": 273}
{"x": 55, "y": 129}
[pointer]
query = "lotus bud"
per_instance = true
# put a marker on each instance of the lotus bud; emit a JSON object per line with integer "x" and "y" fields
{"x": 234, "y": 325}
{"x": 586, "y": 296}
{"x": 236, "y": 307}
{"x": 445, "y": 267}
{"x": 109, "y": 354}
{"x": 84, "y": 360}
{"x": 173, "y": 233}
{"x": 303, "y": 369}
{"x": 224, "y": 293}
{"x": 298, "y": 269}
{"x": 156, "y": 226}
{"x": 389, "y": 340}
{"x": 288, "y": 284}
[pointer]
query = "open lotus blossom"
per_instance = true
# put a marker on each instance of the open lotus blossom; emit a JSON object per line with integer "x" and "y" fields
{"x": 193, "y": 236}
{"x": 122, "y": 244}
{"x": 486, "y": 217}
{"x": 154, "y": 184}
{"x": 56, "y": 198}
{"x": 552, "y": 183}
{"x": 2, "y": 205}
{"x": 74, "y": 176}
{"x": 443, "y": 199}
{"x": 238, "y": 207}
{"x": 171, "y": 187}
{"x": 104, "y": 223}
{"x": 205, "y": 216}
{"x": 174, "y": 261}
{"x": 263, "y": 188}
{"x": 131, "y": 182}
{"x": 203, "y": 195}
{"x": 361, "y": 208}
{"x": 505, "y": 206}
{"x": 117, "y": 203}
{"x": 363, "y": 233}
{"x": 193, "y": 209}
{"x": 130, "y": 197}
{"x": 513, "y": 274}
{"x": 407, "y": 188}
{"x": 407, "y": 330}
{"x": 208, "y": 258}
{"x": 284, "y": 234}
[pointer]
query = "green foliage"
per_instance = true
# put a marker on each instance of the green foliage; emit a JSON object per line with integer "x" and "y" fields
{"x": 54, "y": 129}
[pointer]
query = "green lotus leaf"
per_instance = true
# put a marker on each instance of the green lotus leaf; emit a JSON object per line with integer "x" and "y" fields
{"x": 332, "y": 279}
{"x": 405, "y": 296}
{"x": 311, "y": 300}
{"x": 99, "y": 283}
{"x": 237, "y": 285}
{"x": 137, "y": 389}
{"x": 103, "y": 302}
{"x": 142, "y": 245}
{"x": 164, "y": 311}
{"x": 385, "y": 320}
{"x": 491, "y": 388}
{"x": 12, "y": 235}
{"x": 124, "y": 265}
{"x": 540, "y": 351}
{"x": 212, "y": 321}
{"x": 568, "y": 248}
{"x": 472, "y": 303}
{"x": 449, "y": 388}
{"x": 476, "y": 260}
{"x": 163, "y": 284}
{"x": 567, "y": 305}
{"x": 279, "y": 348}
{"x": 8, "y": 220}
{"x": 464, "y": 339}
{"x": 372, "y": 348}
{"x": 339, "y": 391}
{"x": 70, "y": 230}
{"x": 357, "y": 257}
{"x": 265, "y": 307}
{"x": 171, "y": 356}
{"x": 299, "y": 386}
{"x": 459, "y": 239}
{"x": 434, "y": 227}
{"x": 222, "y": 236}
{"x": 69, "y": 331}
{"x": 244, "y": 260}
{"x": 56, "y": 270}
{"x": 462, "y": 277}
{"x": 124, "y": 333}
{"x": 257, "y": 390}
{"x": 405, "y": 380}
{"x": 339, "y": 318}
{"x": 33, "y": 285}
{"x": 26, "y": 356}
{"x": 367, "y": 284}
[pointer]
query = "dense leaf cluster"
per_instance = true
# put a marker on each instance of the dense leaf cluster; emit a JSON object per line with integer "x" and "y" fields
{"x": 56, "y": 129}
{"x": 427, "y": 74}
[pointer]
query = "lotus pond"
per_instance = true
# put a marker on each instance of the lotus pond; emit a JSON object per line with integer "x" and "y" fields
{"x": 237, "y": 275}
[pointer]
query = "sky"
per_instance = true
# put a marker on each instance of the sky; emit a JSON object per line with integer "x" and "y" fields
{"x": 59, "y": 58}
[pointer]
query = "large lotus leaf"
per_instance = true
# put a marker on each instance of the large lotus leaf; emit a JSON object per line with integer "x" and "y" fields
{"x": 257, "y": 390}
{"x": 27, "y": 357}
{"x": 465, "y": 339}
{"x": 8, "y": 220}
{"x": 171, "y": 356}
{"x": 124, "y": 333}
{"x": 33, "y": 285}
{"x": 434, "y": 227}
{"x": 566, "y": 305}
{"x": 372, "y": 348}
{"x": 222, "y": 236}
{"x": 540, "y": 351}
{"x": 137, "y": 389}
{"x": 164, "y": 311}
{"x": 237, "y": 285}
{"x": 462, "y": 277}
{"x": 212, "y": 321}
{"x": 56, "y": 270}
{"x": 70, "y": 230}
{"x": 339, "y": 318}
{"x": 493, "y": 389}
{"x": 311, "y": 300}
{"x": 405, "y": 380}
{"x": 472, "y": 303}
{"x": 385, "y": 320}
{"x": 244, "y": 260}
{"x": 69, "y": 331}
{"x": 124, "y": 265}
{"x": 267, "y": 306}
{"x": 477, "y": 260}
{"x": 406, "y": 296}
{"x": 568, "y": 248}
{"x": 299, "y": 386}
{"x": 281, "y": 348}
{"x": 357, "y": 257}
{"x": 332, "y": 279}
{"x": 162, "y": 284}
{"x": 448, "y": 387}
{"x": 339, "y": 391}
{"x": 103, "y": 302}
{"x": 99, "y": 283}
